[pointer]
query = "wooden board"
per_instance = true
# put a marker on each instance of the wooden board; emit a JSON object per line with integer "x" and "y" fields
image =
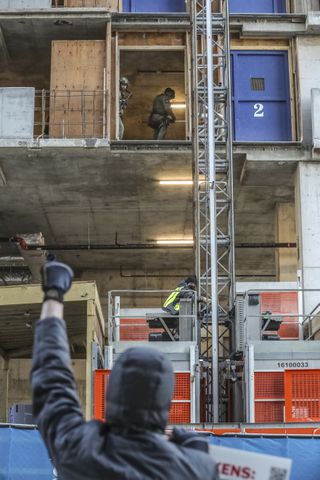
{"x": 152, "y": 39}
{"x": 110, "y": 5}
{"x": 77, "y": 89}
{"x": 259, "y": 43}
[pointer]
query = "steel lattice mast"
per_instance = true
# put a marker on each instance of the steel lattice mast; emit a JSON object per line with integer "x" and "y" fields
{"x": 213, "y": 175}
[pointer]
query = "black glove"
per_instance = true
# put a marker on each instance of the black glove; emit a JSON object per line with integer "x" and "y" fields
{"x": 56, "y": 279}
{"x": 190, "y": 439}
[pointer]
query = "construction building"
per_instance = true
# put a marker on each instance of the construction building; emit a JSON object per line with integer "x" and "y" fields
{"x": 231, "y": 194}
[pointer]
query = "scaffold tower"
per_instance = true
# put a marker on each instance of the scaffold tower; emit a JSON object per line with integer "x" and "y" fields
{"x": 213, "y": 187}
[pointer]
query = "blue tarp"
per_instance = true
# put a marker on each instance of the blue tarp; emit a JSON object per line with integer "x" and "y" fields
{"x": 304, "y": 452}
{"x": 23, "y": 455}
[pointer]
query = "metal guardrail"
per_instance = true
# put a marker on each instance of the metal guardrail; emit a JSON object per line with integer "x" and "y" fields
{"x": 70, "y": 114}
{"x": 121, "y": 317}
{"x": 303, "y": 321}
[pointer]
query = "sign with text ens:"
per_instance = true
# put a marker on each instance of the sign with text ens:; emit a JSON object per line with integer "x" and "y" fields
{"x": 236, "y": 464}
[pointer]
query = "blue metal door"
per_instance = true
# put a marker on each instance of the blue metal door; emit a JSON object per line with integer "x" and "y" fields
{"x": 261, "y": 96}
{"x": 257, "y": 6}
{"x": 154, "y": 6}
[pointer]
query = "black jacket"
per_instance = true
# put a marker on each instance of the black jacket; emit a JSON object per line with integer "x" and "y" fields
{"x": 126, "y": 447}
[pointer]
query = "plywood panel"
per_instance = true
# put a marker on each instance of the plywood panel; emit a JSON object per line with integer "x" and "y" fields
{"x": 151, "y": 39}
{"x": 77, "y": 88}
{"x": 260, "y": 43}
{"x": 110, "y": 5}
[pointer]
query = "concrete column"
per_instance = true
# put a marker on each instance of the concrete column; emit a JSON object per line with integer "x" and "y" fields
{"x": 285, "y": 228}
{"x": 308, "y": 226}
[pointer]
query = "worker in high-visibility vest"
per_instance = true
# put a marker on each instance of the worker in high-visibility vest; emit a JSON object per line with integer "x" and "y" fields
{"x": 185, "y": 289}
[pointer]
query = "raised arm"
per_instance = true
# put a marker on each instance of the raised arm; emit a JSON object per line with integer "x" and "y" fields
{"x": 56, "y": 405}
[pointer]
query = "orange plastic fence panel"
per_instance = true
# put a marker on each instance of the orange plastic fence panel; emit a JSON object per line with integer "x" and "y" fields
{"x": 269, "y": 397}
{"x": 135, "y": 329}
{"x": 180, "y": 411}
{"x": 100, "y": 388}
{"x": 269, "y": 412}
{"x": 268, "y": 385}
{"x": 282, "y": 303}
{"x": 302, "y": 389}
{"x": 182, "y": 386}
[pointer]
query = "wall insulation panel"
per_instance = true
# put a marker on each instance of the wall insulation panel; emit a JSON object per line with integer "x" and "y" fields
{"x": 261, "y": 95}
{"x": 77, "y": 89}
{"x": 154, "y": 6}
{"x": 24, "y": 4}
{"x": 16, "y": 112}
{"x": 257, "y": 6}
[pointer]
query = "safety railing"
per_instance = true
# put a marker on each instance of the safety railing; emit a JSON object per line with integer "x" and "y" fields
{"x": 137, "y": 315}
{"x": 271, "y": 314}
{"x": 70, "y": 114}
{"x": 308, "y": 323}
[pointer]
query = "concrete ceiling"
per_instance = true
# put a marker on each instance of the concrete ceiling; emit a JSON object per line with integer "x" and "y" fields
{"x": 17, "y": 328}
{"x": 81, "y": 196}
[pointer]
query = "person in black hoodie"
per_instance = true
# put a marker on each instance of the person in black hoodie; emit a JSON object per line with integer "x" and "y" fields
{"x": 131, "y": 444}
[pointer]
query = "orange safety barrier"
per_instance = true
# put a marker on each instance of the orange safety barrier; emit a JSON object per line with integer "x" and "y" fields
{"x": 101, "y": 378}
{"x": 280, "y": 303}
{"x": 262, "y": 430}
{"x": 302, "y": 389}
{"x": 135, "y": 329}
{"x": 180, "y": 411}
{"x": 268, "y": 385}
{"x": 269, "y": 397}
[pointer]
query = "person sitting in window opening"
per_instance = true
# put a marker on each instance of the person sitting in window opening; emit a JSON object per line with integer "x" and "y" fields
{"x": 131, "y": 444}
{"x": 162, "y": 115}
{"x": 124, "y": 97}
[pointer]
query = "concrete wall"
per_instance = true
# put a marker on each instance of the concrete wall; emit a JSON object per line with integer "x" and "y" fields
{"x": 308, "y": 215}
{"x": 308, "y": 54}
{"x": 112, "y": 280}
{"x": 19, "y": 383}
{"x": 286, "y": 258}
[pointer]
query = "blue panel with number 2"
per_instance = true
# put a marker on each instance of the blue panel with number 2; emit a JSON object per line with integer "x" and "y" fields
{"x": 257, "y": 6}
{"x": 154, "y": 6}
{"x": 261, "y": 96}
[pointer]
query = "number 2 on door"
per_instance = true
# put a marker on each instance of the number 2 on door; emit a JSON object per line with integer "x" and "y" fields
{"x": 259, "y": 112}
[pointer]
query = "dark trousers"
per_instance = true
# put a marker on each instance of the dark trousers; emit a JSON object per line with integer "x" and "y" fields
{"x": 159, "y": 123}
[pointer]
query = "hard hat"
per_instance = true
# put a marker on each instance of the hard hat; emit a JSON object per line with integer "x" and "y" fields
{"x": 124, "y": 81}
{"x": 170, "y": 93}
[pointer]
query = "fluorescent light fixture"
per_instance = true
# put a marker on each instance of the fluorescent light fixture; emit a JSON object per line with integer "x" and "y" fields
{"x": 176, "y": 182}
{"x": 178, "y": 105}
{"x": 181, "y": 241}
